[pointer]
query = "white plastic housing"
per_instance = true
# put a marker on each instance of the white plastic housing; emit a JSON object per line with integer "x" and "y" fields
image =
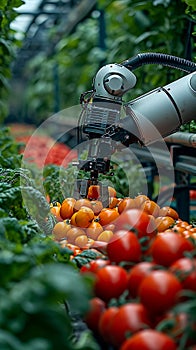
{"x": 163, "y": 110}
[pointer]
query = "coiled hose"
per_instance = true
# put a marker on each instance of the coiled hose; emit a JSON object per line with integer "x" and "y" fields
{"x": 159, "y": 58}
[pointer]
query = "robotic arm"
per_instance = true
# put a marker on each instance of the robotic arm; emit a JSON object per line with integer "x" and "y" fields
{"x": 166, "y": 108}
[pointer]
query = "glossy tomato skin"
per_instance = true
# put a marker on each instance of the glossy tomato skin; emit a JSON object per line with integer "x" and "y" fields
{"x": 105, "y": 323}
{"x": 130, "y": 318}
{"x": 149, "y": 339}
{"x": 159, "y": 291}
{"x": 185, "y": 269}
{"x": 136, "y": 276}
{"x": 110, "y": 282}
{"x": 138, "y": 220}
{"x": 96, "y": 308}
{"x": 94, "y": 265}
{"x": 124, "y": 246}
{"x": 169, "y": 247}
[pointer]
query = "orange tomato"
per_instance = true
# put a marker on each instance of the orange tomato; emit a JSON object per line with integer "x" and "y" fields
{"x": 97, "y": 206}
{"x": 55, "y": 210}
{"x": 140, "y": 199}
{"x": 150, "y": 207}
{"x": 111, "y": 191}
{"x": 67, "y": 208}
{"x": 105, "y": 236}
{"x": 186, "y": 233}
{"x": 73, "y": 233}
{"x": 164, "y": 222}
{"x": 60, "y": 230}
{"x": 84, "y": 217}
{"x": 81, "y": 241}
{"x": 107, "y": 215}
{"x": 125, "y": 204}
{"x": 178, "y": 229}
{"x": 113, "y": 202}
{"x": 168, "y": 211}
{"x": 94, "y": 230}
{"x": 182, "y": 223}
{"x": 82, "y": 202}
{"x": 73, "y": 219}
{"x": 93, "y": 192}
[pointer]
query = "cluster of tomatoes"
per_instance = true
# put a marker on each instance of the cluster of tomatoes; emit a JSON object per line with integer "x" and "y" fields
{"x": 147, "y": 265}
{"x": 42, "y": 150}
{"x": 84, "y": 223}
{"x": 136, "y": 291}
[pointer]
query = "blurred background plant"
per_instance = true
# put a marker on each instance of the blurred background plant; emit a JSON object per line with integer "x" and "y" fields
{"x": 112, "y": 31}
{"x": 8, "y": 45}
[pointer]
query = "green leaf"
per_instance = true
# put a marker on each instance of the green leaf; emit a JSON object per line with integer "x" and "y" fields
{"x": 191, "y": 3}
{"x": 3, "y": 4}
{"x": 87, "y": 342}
{"x": 9, "y": 342}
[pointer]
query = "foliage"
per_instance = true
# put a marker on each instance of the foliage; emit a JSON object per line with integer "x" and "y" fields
{"x": 128, "y": 179}
{"x": 40, "y": 287}
{"x": 191, "y": 4}
{"x": 36, "y": 280}
{"x": 8, "y": 44}
{"x": 59, "y": 181}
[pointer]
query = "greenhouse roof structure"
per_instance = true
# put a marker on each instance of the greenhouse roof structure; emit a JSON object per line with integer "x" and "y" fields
{"x": 37, "y": 17}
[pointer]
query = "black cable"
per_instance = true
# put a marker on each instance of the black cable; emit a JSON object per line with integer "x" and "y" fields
{"x": 159, "y": 58}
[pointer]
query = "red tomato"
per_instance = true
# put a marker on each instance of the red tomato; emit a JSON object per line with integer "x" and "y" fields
{"x": 149, "y": 339}
{"x": 97, "y": 306}
{"x": 159, "y": 291}
{"x": 138, "y": 220}
{"x": 94, "y": 265}
{"x": 105, "y": 323}
{"x": 185, "y": 269}
{"x": 137, "y": 274}
{"x": 110, "y": 282}
{"x": 130, "y": 318}
{"x": 192, "y": 194}
{"x": 124, "y": 246}
{"x": 169, "y": 247}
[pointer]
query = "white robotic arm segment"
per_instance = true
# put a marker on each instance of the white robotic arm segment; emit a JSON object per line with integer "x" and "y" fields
{"x": 146, "y": 119}
{"x": 167, "y": 108}
{"x": 112, "y": 81}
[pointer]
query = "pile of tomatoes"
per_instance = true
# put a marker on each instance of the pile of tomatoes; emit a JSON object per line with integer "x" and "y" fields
{"x": 138, "y": 294}
{"x": 146, "y": 272}
{"x": 84, "y": 223}
{"x": 42, "y": 150}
